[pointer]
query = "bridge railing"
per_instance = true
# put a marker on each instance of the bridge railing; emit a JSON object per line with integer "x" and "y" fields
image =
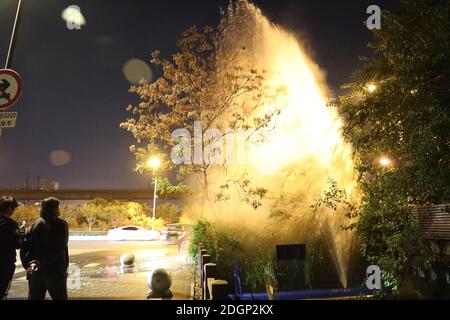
{"x": 88, "y": 194}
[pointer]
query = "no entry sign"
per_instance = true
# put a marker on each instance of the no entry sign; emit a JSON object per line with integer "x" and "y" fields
{"x": 10, "y": 88}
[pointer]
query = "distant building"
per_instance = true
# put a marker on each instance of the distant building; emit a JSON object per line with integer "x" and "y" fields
{"x": 44, "y": 184}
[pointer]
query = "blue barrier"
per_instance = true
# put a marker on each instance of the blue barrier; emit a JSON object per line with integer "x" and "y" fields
{"x": 306, "y": 294}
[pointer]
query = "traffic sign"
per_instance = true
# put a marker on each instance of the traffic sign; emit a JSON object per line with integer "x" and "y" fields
{"x": 8, "y": 119}
{"x": 10, "y": 88}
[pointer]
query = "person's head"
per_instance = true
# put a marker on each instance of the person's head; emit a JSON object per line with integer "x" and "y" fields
{"x": 50, "y": 208}
{"x": 7, "y": 206}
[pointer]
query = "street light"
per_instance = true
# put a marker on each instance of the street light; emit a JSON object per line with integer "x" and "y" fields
{"x": 154, "y": 163}
{"x": 371, "y": 87}
{"x": 385, "y": 162}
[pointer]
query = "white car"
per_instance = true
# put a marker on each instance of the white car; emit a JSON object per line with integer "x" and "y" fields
{"x": 132, "y": 233}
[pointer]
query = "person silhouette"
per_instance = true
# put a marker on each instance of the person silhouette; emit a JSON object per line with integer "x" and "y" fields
{"x": 9, "y": 242}
{"x": 48, "y": 258}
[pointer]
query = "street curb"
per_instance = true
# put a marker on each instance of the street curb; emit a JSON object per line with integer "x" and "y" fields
{"x": 88, "y": 238}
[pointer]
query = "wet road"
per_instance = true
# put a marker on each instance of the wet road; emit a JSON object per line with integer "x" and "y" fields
{"x": 95, "y": 271}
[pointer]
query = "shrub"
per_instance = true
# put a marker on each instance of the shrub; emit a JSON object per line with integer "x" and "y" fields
{"x": 254, "y": 250}
{"x": 29, "y": 213}
{"x": 169, "y": 212}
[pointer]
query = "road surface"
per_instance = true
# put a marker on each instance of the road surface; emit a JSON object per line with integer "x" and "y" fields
{"x": 95, "y": 271}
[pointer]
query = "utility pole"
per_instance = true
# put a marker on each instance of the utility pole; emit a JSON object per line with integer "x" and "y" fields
{"x": 12, "y": 41}
{"x": 154, "y": 202}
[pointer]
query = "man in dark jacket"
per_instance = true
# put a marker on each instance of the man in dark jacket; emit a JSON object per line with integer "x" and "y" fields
{"x": 48, "y": 258}
{"x": 9, "y": 242}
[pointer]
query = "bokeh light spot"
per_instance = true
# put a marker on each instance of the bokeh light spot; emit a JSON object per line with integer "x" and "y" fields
{"x": 72, "y": 15}
{"x": 135, "y": 70}
{"x": 59, "y": 158}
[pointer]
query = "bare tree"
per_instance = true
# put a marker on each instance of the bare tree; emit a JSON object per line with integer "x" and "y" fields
{"x": 205, "y": 85}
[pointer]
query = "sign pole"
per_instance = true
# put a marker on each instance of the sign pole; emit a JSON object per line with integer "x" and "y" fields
{"x": 10, "y": 74}
{"x": 13, "y": 36}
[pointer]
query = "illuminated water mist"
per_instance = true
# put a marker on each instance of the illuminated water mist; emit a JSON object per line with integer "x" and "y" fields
{"x": 304, "y": 149}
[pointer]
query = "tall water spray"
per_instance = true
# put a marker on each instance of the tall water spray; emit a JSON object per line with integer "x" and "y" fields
{"x": 304, "y": 146}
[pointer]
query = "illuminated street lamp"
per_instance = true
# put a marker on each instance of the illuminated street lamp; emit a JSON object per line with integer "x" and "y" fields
{"x": 154, "y": 163}
{"x": 371, "y": 88}
{"x": 385, "y": 162}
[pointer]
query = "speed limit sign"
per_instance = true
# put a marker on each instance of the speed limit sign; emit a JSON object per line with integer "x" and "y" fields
{"x": 10, "y": 88}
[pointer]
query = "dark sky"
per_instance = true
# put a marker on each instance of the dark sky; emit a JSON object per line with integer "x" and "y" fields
{"x": 75, "y": 93}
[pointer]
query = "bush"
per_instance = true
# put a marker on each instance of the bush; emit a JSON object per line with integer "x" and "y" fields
{"x": 255, "y": 251}
{"x": 219, "y": 243}
{"x": 200, "y": 235}
{"x": 101, "y": 214}
{"x": 73, "y": 216}
{"x": 29, "y": 213}
{"x": 168, "y": 212}
{"x": 407, "y": 121}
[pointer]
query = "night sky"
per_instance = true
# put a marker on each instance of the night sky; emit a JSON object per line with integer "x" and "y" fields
{"x": 75, "y": 93}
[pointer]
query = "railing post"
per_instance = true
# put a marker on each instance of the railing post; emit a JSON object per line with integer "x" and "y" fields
{"x": 219, "y": 290}
{"x": 206, "y": 258}
{"x": 210, "y": 271}
{"x": 201, "y": 253}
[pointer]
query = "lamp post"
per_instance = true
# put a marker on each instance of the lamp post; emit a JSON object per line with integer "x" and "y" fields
{"x": 10, "y": 52}
{"x": 12, "y": 42}
{"x": 154, "y": 163}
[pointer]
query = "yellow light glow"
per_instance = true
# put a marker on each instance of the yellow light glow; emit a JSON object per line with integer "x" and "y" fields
{"x": 302, "y": 147}
{"x": 371, "y": 87}
{"x": 385, "y": 162}
{"x": 154, "y": 163}
{"x": 306, "y": 127}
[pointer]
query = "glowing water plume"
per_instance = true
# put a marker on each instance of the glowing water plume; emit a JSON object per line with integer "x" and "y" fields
{"x": 305, "y": 147}
{"x": 306, "y": 127}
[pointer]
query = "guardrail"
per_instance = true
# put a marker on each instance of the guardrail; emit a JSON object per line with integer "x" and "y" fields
{"x": 89, "y": 194}
{"x": 212, "y": 288}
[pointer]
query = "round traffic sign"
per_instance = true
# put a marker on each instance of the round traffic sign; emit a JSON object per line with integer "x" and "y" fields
{"x": 10, "y": 88}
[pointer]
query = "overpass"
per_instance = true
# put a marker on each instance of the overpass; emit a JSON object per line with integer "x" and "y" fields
{"x": 87, "y": 194}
